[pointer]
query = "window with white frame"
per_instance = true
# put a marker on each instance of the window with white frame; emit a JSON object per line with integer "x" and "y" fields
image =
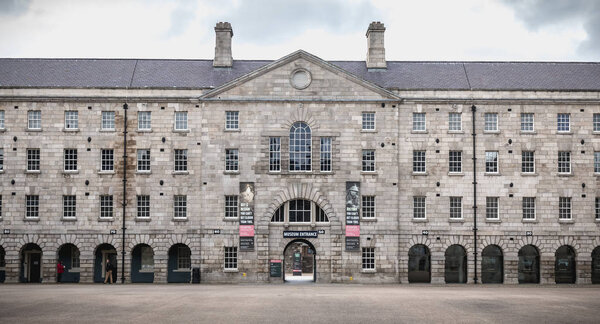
{"x": 75, "y": 259}
{"x": 181, "y": 120}
{"x": 1, "y": 159}
{"x": 563, "y": 122}
{"x": 70, "y": 158}
{"x": 2, "y": 126}
{"x": 34, "y": 119}
{"x": 184, "y": 258}
{"x": 527, "y": 162}
{"x": 368, "y": 121}
{"x": 71, "y": 119}
{"x": 231, "y": 206}
{"x": 368, "y": 207}
{"x": 300, "y": 211}
{"x": 368, "y": 258}
{"x": 32, "y": 206}
{"x": 107, "y": 160}
{"x": 106, "y": 206}
{"x": 597, "y": 207}
{"x": 528, "y": 207}
{"x": 231, "y": 160}
{"x": 232, "y": 120}
{"x": 491, "y": 208}
{"x": 180, "y": 206}
{"x": 564, "y": 162}
{"x": 564, "y": 208}
{"x": 279, "y": 215}
{"x": 325, "y": 154}
{"x": 527, "y": 122}
{"x": 419, "y": 162}
{"x": 108, "y": 120}
{"x": 143, "y": 160}
{"x": 419, "y": 207}
{"x": 491, "y": 122}
{"x": 274, "y": 154}
{"x": 596, "y": 162}
{"x": 368, "y": 160}
{"x": 491, "y": 162}
{"x": 419, "y": 122}
{"x": 456, "y": 207}
{"x": 144, "y": 120}
{"x": 455, "y": 122}
{"x": 596, "y": 122}
{"x": 231, "y": 258}
{"x": 321, "y": 215}
{"x": 69, "y": 206}
{"x": 455, "y": 162}
{"x": 143, "y": 206}
{"x": 181, "y": 160}
{"x": 33, "y": 159}
{"x": 300, "y": 147}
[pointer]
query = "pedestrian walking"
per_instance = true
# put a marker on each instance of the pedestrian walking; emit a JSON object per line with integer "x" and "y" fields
{"x": 60, "y": 269}
{"x": 109, "y": 271}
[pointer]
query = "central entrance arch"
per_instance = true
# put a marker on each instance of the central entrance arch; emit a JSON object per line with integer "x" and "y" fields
{"x": 299, "y": 261}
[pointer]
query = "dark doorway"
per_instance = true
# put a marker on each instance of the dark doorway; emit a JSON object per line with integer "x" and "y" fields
{"x": 596, "y": 265}
{"x": 69, "y": 255}
{"x": 2, "y": 265}
{"x": 564, "y": 265}
{"x": 31, "y": 263}
{"x": 104, "y": 252}
{"x": 142, "y": 264}
{"x": 456, "y": 264}
{"x": 299, "y": 262}
{"x": 492, "y": 265}
{"x": 419, "y": 264}
{"x": 180, "y": 264}
{"x": 529, "y": 265}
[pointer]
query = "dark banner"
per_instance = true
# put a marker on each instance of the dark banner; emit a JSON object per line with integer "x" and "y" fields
{"x": 246, "y": 209}
{"x": 246, "y": 243}
{"x": 352, "y": 203}
{"x": 300, "y": 234}
{"x": 352, "y": 243}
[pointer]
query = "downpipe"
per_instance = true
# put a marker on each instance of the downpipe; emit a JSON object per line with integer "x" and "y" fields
{"x": 473, "y": 111}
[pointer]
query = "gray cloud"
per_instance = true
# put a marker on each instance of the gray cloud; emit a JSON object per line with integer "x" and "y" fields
{"x": 14, "y": 7}
{"x": 181, "y": 17}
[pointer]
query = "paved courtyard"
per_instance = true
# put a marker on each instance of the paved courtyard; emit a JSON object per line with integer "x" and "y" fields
{"x": 297, "y": 303}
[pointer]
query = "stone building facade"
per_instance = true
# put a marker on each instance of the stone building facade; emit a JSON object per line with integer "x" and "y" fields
{"x": 146, "y": 161}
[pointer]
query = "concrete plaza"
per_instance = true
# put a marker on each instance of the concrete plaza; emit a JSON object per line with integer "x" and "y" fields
{"x": 297, "y": 303}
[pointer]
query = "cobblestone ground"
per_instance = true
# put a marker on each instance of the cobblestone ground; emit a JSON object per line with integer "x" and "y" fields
{"x": 298, "y": 303}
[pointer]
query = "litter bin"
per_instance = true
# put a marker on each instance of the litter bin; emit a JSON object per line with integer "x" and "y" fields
{"x": 196, "y": 275}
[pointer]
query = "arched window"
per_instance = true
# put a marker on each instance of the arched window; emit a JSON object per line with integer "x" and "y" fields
{"x": 299, "y": 211}
{"x": 300, "y": 147}
{"x": 419, "y": 264}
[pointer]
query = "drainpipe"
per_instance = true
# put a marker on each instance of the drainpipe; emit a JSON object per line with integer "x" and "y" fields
{"x": 123, "y": 229}
{"x": 473, "y": 110}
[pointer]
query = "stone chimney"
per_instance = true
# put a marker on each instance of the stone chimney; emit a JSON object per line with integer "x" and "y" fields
{"x": 223, "y": 56}
{"x": 375, "y": 46}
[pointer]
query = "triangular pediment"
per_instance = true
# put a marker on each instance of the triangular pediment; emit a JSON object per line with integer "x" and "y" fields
{"x": 300, "y": 76}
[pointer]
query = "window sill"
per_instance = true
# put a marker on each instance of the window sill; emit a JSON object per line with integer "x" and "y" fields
{"x": 33, "y": 172}
{"x": 34, "y": 130}
{"x": 231, "y": 270}
{"x": 107, "y": 130}
{"x": 182, "y": 131}
{"x": 71, "y": 172}
{"x": 566, "y": 221}
{"x": 143, "y": 219}
{"x": 31, "y": 219}
{"x": 422, "y": 174}
{"x": 529, "y": 174}
{"x": 528, "y": 133}
{"x": 70, "y": 130}
{"x": 68, "y": 219}
{"x": 106, "y": 219}
{"x": 596, "y": 133}
{"x": 231, "y": 172}
{"x": 2, "y": 130}
{"x": 231, "y": 219}
{"x": 146, "y": 271}
{"x": 456, "y": 174}
{"x": 180, "y": 219}
{"x": 143, "y": 172}
{"x": 368, "y": 172}
{"x": 565, "y": 175}
{"x": 456, "y": 132}
{"x": 74, "y": 270}
{"x": 456, "y": 220}
{"x": 180, "y": 172}
{"x": 564, "y": 133}
{"x": 369, "y": 220}
{"x": 144, "y": 131}
{"x": 419, "y": 220}
{"x": 237, "y": 130}
{"x": 182, "y": 270}
{"x": 597, "y": 220}
{"x": 368, "y": 131}
{"x": 419, "y": 132}
{"x": 531, "y": 221}
{"x": 366, "y": 271}
{"x": 493, "y": 220}
{"x": 106, "y": 172}
{"x": 496, "y": 132}
{"x": 492, "y": 174}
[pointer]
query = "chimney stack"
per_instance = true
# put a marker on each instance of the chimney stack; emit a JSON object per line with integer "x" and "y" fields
{"x": 375, "y": 46}
{"x": 223, "y": 56}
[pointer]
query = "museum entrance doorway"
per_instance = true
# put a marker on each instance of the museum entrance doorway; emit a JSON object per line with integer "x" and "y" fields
{"x": 299, "y": 262}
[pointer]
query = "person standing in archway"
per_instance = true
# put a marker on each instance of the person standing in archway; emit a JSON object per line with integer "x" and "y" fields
{"x": 60, "y": 269}
{"x": 109, "y": 271}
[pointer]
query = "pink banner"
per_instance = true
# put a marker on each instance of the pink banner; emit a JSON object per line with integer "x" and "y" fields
{"x": 353, "y": 230}
{"x": 247, "y": 230}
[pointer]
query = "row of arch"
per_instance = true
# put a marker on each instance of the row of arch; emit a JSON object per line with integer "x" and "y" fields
{"x": 492, "y": 264}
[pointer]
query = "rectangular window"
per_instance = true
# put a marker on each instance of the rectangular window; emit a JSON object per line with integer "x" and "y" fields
{"x": 275, "y": 154}
{"x": 107, "y": 160}
{"x": 106, "y": 206}
{"x": 491, "y": 208}
{"x": 34, "y": 119}
{"x": 32, "y": 206}
{"x": 455, "y": 122}
{"x": 418, "y": 121}
{"x": 455, "y": 207}
{"x": 70, "y": 157}
{"x": 564, "y": 162}
{"x": 180, "y": 206}
{"x": 597, "y": 207}
{"x": 144, "y": 120}
{"x": 368, "y": 206}
{"x": 564, "y": 208}
{"x": 147, "y": 258}
{"x": 596, "y": 122}
{"x": 368, "y": 121}
{"x": 181, "y": 120}
{"x": 419, "y": 161}
{"x": 419, "y": 207}
{"x": 143, "y": 206}
{"x": 596, "y": 162}
{"x": 231, "y": 160}
{"x": 231, "y": 206}
{"x": 69, "y": 207}
{"x": 491, "y": 162}
{"x": 33, "y": 159}
{"x": 143, "y": 160}
{"x": 108, "y": 120}
{"x": 455, "y": 162}
{"x": 368, "y": 258}
{"x": 527, "y": 122}
{"x": 232, "y": 119}
{"x": 491, "y": 122}
{"x": 181, "y": 160}
{"x": 71, "y": 119}
{"x": 75, "y": 260}
{"x": 231, "y": 258}
{"x": 1, "y": 159}
{"x": 184, "y": 258}
{"x": 2, "y": 119}
{"x": 300, "y": 211}
{"x": 325, "y": 154}
{"x": 563, "y": 122}
{"x": 527, "y": 162}
{"x": 528, "y": 207}
{"x": 368, "y": 160}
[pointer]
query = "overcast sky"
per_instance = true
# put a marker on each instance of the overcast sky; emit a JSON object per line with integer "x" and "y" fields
{"x": 515, "y": 30}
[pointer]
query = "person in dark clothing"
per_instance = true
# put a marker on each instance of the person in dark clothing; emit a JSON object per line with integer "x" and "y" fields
{"x": 109, "y": 271}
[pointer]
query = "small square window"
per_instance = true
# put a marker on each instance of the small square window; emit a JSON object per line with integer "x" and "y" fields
{"x": 455, "y": 122}
{"x": 231, "y": 160}
{"x": 180, "y": 206}
{"x": 71, "y": 120}
{"x": 368, "y": 121}
{"x": 69, "y": 207}
{"x": 144, "y": 120}
{"x": 456, "y": 207}
{"x": 491, "y": 208}
{"x": 108, "y": 120}
{"x": 491, "y": 122}
{"x": 419, "y": 122}
{"x": 563, "y": 122}
{"x": 368, "y": 207}
{"x": 368, "y": 160}
{"x": 232, "y": 120}
{"x": 231, "y": 206}
{"x": 181, "y": 120}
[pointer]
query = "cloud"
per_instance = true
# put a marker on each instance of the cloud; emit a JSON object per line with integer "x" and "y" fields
{"x": 181, "y": 17}
{"x": 14, "y": 7}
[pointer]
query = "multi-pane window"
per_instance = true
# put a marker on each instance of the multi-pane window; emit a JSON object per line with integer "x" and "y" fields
{"x": 184, "y": 258}
{"x": 596, "y": 122}
{"x": 34, "y": 119}
{"x": 563, "y": 122}
{"x": 419, "y": 207}
{"x": 108, "y": 120}
{"x": 596, "y": 162}
{"x": 564, "y": 162}
{"x": 70, "y": 157}
{"x": 527, "y": 162}
{"x": 107, "y": 160}
{"x": 368, "y": 258}
{"x": 231, "y": 206}
{"x": 368, "y": 160}
{"x": 144, "y": 120}
{"x": 321, "y": 215}
{"x": 106, "y": 206}
{"x": 418, "y": 121}
{"x": 597, "y": 207}
{"x": 419, "y": 161}
{"x": 278, "y": 216}
{"x": 1, "y": 159}
{"x": 181, "y": 120}
{"x": 454, "y": 121}
{"x": 232, "y": 119}
{"x": 231, "y": 258}
{"x": 143, "y": 160}
{"x": 527, "y": 122}
{"x": 300, "y": 147}
{"x": 528, "y": 207}
{"x": 231, "y": 160}
{"x": 455, "y": 207}
{"x": 325, "y": 154}
{"x": 368, "y": 206}
{"x": 491, "y": 122}
{"x": 564, "y": 208}
{"x": 455, "y": 161}
{"x": 71, "y": 119}
{"x": 2, "y": 119}
{"x": 275, "y": 154}
{"x": 143, "y": 206}
{"x": 69, "y": 206}
{"x": 181, "y": 160}
{"x": 179, "y": 206}
{"x": 299, "y": 211}
{"x": 75, "y": 259}
{"x": 491, "y": 162}
{"x": 32, "y": 206}
{"x": 491, "y": 208}
{"x": 368, "y": 121}
{"x": 33, "y": 159}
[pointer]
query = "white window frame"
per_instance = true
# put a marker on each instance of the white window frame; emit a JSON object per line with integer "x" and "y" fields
{"x": 232, "y": 160}
{"x": 32, "y": 206}
{"x": 527, "y": 119}
{"x": 564, "y": 162}
{"x": 34, "y": 119}
{"x": 526, "y": 163}
{"x": 419, "y": 161}
{"x": 368, "y": 121}
{"x": 457, "y": 167}
{"x": 596, "y": 123}
{"x": 453, "y": 205}
{"x": 368, "y": 259}
{"x": 69, "y": 161}
{"x": 597, "y": 162}
{"x": 230, "y": 258}
{"x": 368, "y": 207}
{"x": 180, "y": 160}
{"x": 180, "y": 207}
{"x": 419, "y": 122}
{"x": 69, "y": 206}
{"x": 526, "y": 208}
{"x": 231, "y": 207}
{"x": 144, "y": 161}
{"x": 2, "y": 120}
{"x": 563, "y": 119}
{"x": 492, "y": 208}
{"x": 181, "y": 121}
{"x": 144, "y": 120}
{"x": 490, "y": 164}
{"x": 107, "y": 207}
{"x": 300, "y": 131}
{"x": 107, "y": 158}
{"x": 368, "y": 165}
{"x": 34, "y": 159}
{"x": 455, "y": 119}
{"x": 108, "y": 121}
{"x": 419, "y": 204}
{"x": 143, "y": 206}
{"x": 565, "y": 206}
{"x": 71, "y": 119}
{"x": 274, "y": 154}
{"x": 232, "y": 120}
{"x": 326, "y": 148}
{"x": 490, "y": 122}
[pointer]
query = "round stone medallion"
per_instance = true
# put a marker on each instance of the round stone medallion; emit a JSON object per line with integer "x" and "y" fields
{"x": 300, "y": 79}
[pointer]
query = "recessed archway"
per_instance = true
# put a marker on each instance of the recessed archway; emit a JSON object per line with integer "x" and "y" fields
{"x": 299, "y": 261}
{"x": 564, "y": 265}
{"x": 104, "y": 252}
{"x": 31, "y": 263}
{"x": 419, "y": 264}
{"x": 492, "y": 265}
{"x": 68, "y": 254}
{"x": 529, "y": 264}
{"x": 179, "y": 266}
{"x": 142, "y": 264}
{"x": 455, "y": 264}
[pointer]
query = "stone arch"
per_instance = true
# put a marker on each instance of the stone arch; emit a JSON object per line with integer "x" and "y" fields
{"x": 568, "y": 241}
{"x": 532, "y": 240}
{"x": 35, "y": 239}
{"x": 492, "y": 240}
{"x": 179, "y": 239}
{"x": 456, "y": 240}
{"x": 419, "y": 239}
{"x": 107, "y": 239}
{"x": 299, "y": 191}
{"x": 301, "y": 113}
{"x": 142, "y": 239}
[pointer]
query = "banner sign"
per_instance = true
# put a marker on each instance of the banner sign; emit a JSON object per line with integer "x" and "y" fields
{"x": 352, "y": 230}
{"x": 246, "y": 209}
{"x": 299, "y": 234}
{"x": 352, "y": 243}
{"x": 246, "y": 230}
{"x": 352, "y": 203}
{"x": 246, "y": 243}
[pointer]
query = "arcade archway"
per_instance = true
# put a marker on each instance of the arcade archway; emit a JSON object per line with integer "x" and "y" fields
{"x": 299, "y": 262}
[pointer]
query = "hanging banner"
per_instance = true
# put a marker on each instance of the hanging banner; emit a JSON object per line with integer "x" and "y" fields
{"x": 246, "y": 209}
{"x": 352, "y": 216}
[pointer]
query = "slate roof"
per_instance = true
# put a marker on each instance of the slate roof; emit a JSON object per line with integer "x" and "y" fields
{"x": 196, "y": 74}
